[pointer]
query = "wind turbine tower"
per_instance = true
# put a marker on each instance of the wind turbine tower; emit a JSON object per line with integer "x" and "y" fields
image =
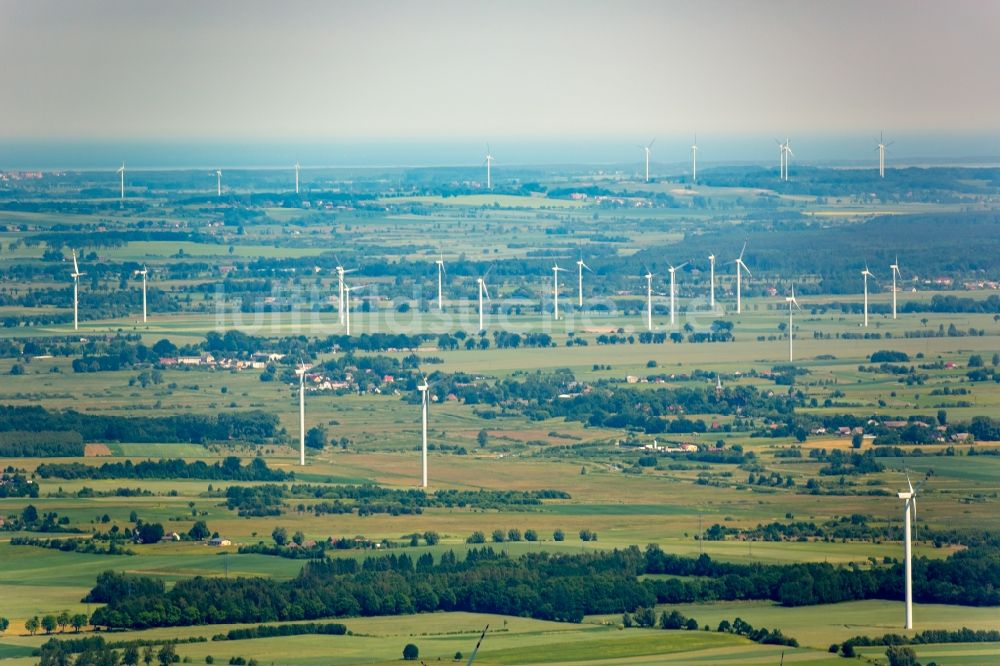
{"x": 895, "y": 272}
{"x": 580, "y": 266}
{"x": 76, "y": 274}
{"x": 649, "y": 301}
{"x": 121, "y": 172}
{"x": 781, "y": 160}
{"x": 297, "y": 167}
{"x": 711, "y": 281}
{"x": 218, "y": 186}
{"x": 673, "y": 290}
{"x": 740, "y": 267}
{"x": 489, "y": 165}
{"x": 481, "y": 281}
{"x": 347, "y": 305}
{"x": 341, "y": 311}
{"x": 143, "y": 273}
{"x": 909, "y": 504}
{"x": 440, "y": 265}
{"x": 866, "y": 274}
{"x": 788, "y": 153}
{"x": 302, "y": 415}
{"x": 791, "y": 324}
{"x": 555, "y": 290}
{"x": 647, "y": 150}
{"x": 694, "y": 160}
{"x": 423, "y": 401}
{"x": 882, "y": 145}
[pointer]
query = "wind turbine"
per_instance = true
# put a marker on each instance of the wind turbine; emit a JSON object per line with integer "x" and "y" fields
{"x": 122, "y": 172}
{"x": 711, "y": 281}
{"x": 647, "y": 150}
{"x": 788, "y": 153}
{"x": 740, "y": 267}
{"x": 649, "y": 300}
{"x": 297, "y": 167}
{"x": 781, "y": 159}
{"x": 76, "y": 274}
{"x": 472, "y": 657}
{"x": 791, "y": 330}
{"x": 347, "y": 304}
{"x": 673, "y": 290}
{"x": 580, "y": 266}
{"x": 302, "y": 414}
{"x": 895, "y": 272}
{"x": 882, "y": 145}
{"x": 866, "y": 274}
{"x": 694, "y": 160}
{"x": 489, "y": 164}
{"x": 555, "y": 290}
{"x": 423, "y": 401}
{"x": 909, "y": 504}
{"x": 341, "y": 272}
{"x": 143, "y": 273}
{"x": 481, "y": 281}
{"x": 441, "y": 272}
{"x": 218, "y": 176}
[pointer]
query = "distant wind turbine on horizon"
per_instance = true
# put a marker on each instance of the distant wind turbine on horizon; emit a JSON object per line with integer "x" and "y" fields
{"x": 143, "y": 273}
{"x": 647, "y": 151}
{"x": 894, "y": 267}
{"x": 489, "y": 167}
{"x": 218, "y": 176}
{"x": 302, "y": 413}
{"x": 880, "y": 148}
{"x": 791, "y": 324}
{"x": 580, "y": 265}
{"x": 441, "y": 272}
{"x": 297, "y": 167}
{"x": 740, "y": 267}
{"x": 866, "y": 274}
{"x": 555, "y": 290}
{"x": 121, "y": 171}
{"x": 673, "y": 289}
{"x": 76, "y": 275}
{"x": 423, "y": 421}
{"x": 483, "y": 291}
{"x": 649, "y": 300}
{"x": 711, "y": 281}
{"x": 694, "y": 160}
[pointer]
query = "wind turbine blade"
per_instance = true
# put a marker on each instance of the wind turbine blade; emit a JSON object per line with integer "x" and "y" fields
{"x": 651, "y": 143}
{"x": 486, "y": 291}
{"x": 743, "y": 250}
{"x": 472, "y": 657}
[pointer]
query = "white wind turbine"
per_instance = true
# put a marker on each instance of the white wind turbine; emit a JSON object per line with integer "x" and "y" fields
{"x": 472, "y": 657}
{"x": 555, "y": 290}
{"x": 694, "y": 160}
{"x": 649, "y": 300}
{"x": 347, "y": 304}
{"x": 483, "y": 291}
{"x": 423, "y": 455}
{"x": 866, "y": 274}
{"x": 579, "y": 268}
{"x": 882, "y": 145}
{"x": 791, "y": 324}
{"x": 441, "y": 272}
{"x": 143, "y": 273}
{"x": 297, "y": 167}
{"x": 909, "y": 504}
{"x": 740, "y": 267}
{"x": 788, "y": 153}
{"x": 895, "y": 272}
{"x": 489, "y": 165}
{"x": 302, "y": 413}
{"x": 673, "y": 290}
{"x": 76, "y": 274}
{"x": 781, "y": 159}
{"x": 647, "y": 151}
{"x": 218, "y": 181}
{"x": 121, "y": 171}
{"x": 711, "y": 281}
{"x": 341, "y": 272}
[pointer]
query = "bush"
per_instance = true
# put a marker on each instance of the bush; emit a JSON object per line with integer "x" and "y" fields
{"x": 411, "y": 652}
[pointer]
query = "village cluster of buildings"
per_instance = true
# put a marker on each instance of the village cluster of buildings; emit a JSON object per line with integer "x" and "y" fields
{"x": 207, "y": 360}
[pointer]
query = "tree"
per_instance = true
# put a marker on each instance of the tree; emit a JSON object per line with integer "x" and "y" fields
{"x": 411, "y": 652}
{"x": 857, "y": 439}
{"x": 49, "y": 623}
{"x": 530, "y": 535}
{"x": 131, "y": 656}
{"x": 476, "y": 537}
{"x": 166, "y": 654}
{"x": 199, "y": 531}
{"x": 4, "y": 623}
{"x": 558, "y": 535}
{"x": 432, "y": 538}
{"x": 942, "y": 417}
{"x": 29, "y": 515}
{"x": 280, "y": 535}
{"x": 316, "y": 437}
{"x": 298, "y": 537}
{"x": 513, "y": 534}
{"x": 901, "y": 655}
{"x": 150, "y": 532}
{"x": 975, "y": 361}
{"x": 32, "y": 624}
{"x": 63, "y": 619}
{"x": 498, "y": 536}
{"x": 79, "y": 621}
{"x": 147, "y": 655}
{"x": 458, "y": 655}
{"x": 482, "y": 439}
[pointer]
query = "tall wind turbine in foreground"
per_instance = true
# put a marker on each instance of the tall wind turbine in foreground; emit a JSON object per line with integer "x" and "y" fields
{"x": 866, "y": 274}
{"x": 143, "y": 273}
{"x": 909, "y": 504}
{"x": 711, "y": 281}
{"x": 481, "y": 281}
{"x": 882, "y": 145}
{"x": 121, "y": 171}
{"x": 297, "y": 167}
{"x": 555, "y": 290}
{"x": 740, "y": 267}
{"x": 423, "y": 454}
{"x": 76, "y": 274}
{"x": 791, "y": 324}
{"x": 673, "y": 290}
{"x": 302, "y": 414}
{"x": 441, "y": 271}
{"x": 218, "y": 186}
{"x": 579, "y": 267}
{"x": 489, "y": 165}
{"x": 694, "y": 160}
{"x": 472, "y": 657}
{"x": 895, "y": 272}
{"x": 647, "y": 150}
{"x": 649, "y": 300}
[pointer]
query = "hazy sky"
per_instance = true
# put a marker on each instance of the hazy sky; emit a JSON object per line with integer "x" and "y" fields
{"x": 374, "y": 70}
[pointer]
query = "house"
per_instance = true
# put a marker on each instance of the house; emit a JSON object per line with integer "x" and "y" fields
{"x": 171, "y": 536}
{"x": 219, "y": 541}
